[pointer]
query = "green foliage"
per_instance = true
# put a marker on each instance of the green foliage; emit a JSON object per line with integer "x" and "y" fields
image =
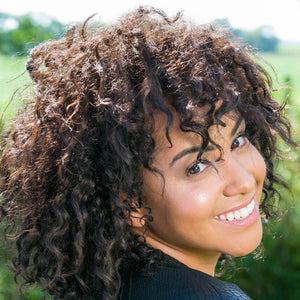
{"x": 262, "y": 38}
{"x": 8, "y": 288}
{"x": 26, "y": 32}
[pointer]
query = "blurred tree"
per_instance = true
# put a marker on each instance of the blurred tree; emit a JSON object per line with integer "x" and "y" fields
{"x": 262, "y": 38}
{"x": 18, "y": 34}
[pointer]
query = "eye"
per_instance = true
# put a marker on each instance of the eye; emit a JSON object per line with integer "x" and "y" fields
{"x": 197, "y": 168}
{"x": 238, "y": 142}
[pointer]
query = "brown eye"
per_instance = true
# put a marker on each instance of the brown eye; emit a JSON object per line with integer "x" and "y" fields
{"x": 196, "y": 168}
{"x": 238, "y": 142}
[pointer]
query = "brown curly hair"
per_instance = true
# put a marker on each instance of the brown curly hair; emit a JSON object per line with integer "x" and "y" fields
{"x": 81, "y": 143}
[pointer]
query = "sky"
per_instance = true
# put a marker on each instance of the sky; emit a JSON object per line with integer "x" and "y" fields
{"x": 282, "y": 15}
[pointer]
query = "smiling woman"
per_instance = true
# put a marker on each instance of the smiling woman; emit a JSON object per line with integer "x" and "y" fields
{"x": 202, "y": 211}
{"x": 146, "y": 153}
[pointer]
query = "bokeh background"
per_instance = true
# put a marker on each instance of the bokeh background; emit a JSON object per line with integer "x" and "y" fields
{"x": 272, "y": 27}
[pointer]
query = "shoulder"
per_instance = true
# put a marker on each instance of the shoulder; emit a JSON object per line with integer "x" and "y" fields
{"x": 177, "y": 282}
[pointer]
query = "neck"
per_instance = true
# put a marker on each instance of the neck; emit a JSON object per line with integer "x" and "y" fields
{"x": 198, "y": 259}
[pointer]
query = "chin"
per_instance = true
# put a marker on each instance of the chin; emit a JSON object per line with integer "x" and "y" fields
{"x": 248, "y": 244}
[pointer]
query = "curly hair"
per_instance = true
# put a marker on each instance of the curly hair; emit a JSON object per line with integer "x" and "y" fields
{"x": 81, "y": 143}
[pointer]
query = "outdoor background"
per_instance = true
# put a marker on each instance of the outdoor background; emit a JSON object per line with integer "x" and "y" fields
{"x": 269, "y": 26}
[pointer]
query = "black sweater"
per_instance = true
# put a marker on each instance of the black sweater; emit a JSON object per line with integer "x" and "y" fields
{"x": 175, "y": 281}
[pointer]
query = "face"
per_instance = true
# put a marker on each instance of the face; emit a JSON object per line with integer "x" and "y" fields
{"x": 205, "y": 206}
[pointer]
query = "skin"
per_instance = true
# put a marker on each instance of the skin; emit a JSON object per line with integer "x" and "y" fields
{"x": 184, "y": 224}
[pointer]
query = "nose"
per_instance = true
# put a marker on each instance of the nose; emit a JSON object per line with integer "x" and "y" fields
{"x": 239, "y": 178}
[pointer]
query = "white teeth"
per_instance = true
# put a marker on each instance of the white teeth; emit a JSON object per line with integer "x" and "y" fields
{"x": 230, "y": 216}
{"x": 250, "y": 207}
{"x": 238, "y": 214}
{"x": 244, "y": 212}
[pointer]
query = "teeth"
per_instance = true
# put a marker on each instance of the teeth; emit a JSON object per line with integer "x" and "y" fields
{"x": 250, "y": 207}
{"x": 238, "y": 214}
{"x": 222, "y": 217}
{"x": 230, "y": 216}
{"x": 244, "y": 212}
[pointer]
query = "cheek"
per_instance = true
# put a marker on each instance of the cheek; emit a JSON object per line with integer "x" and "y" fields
{"x": 181, "y": 200}
{"x": 193, "y": 200}
{"x": 258, "y": 166}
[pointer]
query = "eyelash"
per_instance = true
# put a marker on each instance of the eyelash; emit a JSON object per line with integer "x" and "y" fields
{"x": 242, "y": 135}
{"x": 191, "y": 170}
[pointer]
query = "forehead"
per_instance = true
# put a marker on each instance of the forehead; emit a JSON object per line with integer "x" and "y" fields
{"x": 177, "y": 134}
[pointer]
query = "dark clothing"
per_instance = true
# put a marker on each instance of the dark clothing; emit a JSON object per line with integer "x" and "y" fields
{"x": 175, "y": 281}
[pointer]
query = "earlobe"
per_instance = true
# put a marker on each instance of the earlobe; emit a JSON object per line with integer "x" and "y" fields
{"x": 136, "y": 220}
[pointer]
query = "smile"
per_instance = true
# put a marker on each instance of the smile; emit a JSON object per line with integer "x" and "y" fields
{"x": 239, "y": 214}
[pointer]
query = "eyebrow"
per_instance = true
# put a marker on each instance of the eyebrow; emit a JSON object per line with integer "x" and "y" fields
{"x": 237, "y": 125}
{"x": 208, "y": 148}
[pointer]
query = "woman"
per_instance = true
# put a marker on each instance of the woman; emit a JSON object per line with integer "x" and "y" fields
{"x": 145, "y": 155}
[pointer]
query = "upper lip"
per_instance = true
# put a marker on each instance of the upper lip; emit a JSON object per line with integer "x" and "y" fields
{"x": 237, "y": 207}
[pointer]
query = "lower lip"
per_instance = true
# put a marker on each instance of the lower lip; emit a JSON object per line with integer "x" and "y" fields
{"x": 251, "y": 219}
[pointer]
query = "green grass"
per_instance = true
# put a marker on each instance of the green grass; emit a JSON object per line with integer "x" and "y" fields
{"x": 13, "y": 79}
{"x": 286, "y": 64}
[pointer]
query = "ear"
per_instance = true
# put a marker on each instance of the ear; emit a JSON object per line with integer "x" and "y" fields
{"x": 136, "y": 219}
{"x": 136, "y": 212}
